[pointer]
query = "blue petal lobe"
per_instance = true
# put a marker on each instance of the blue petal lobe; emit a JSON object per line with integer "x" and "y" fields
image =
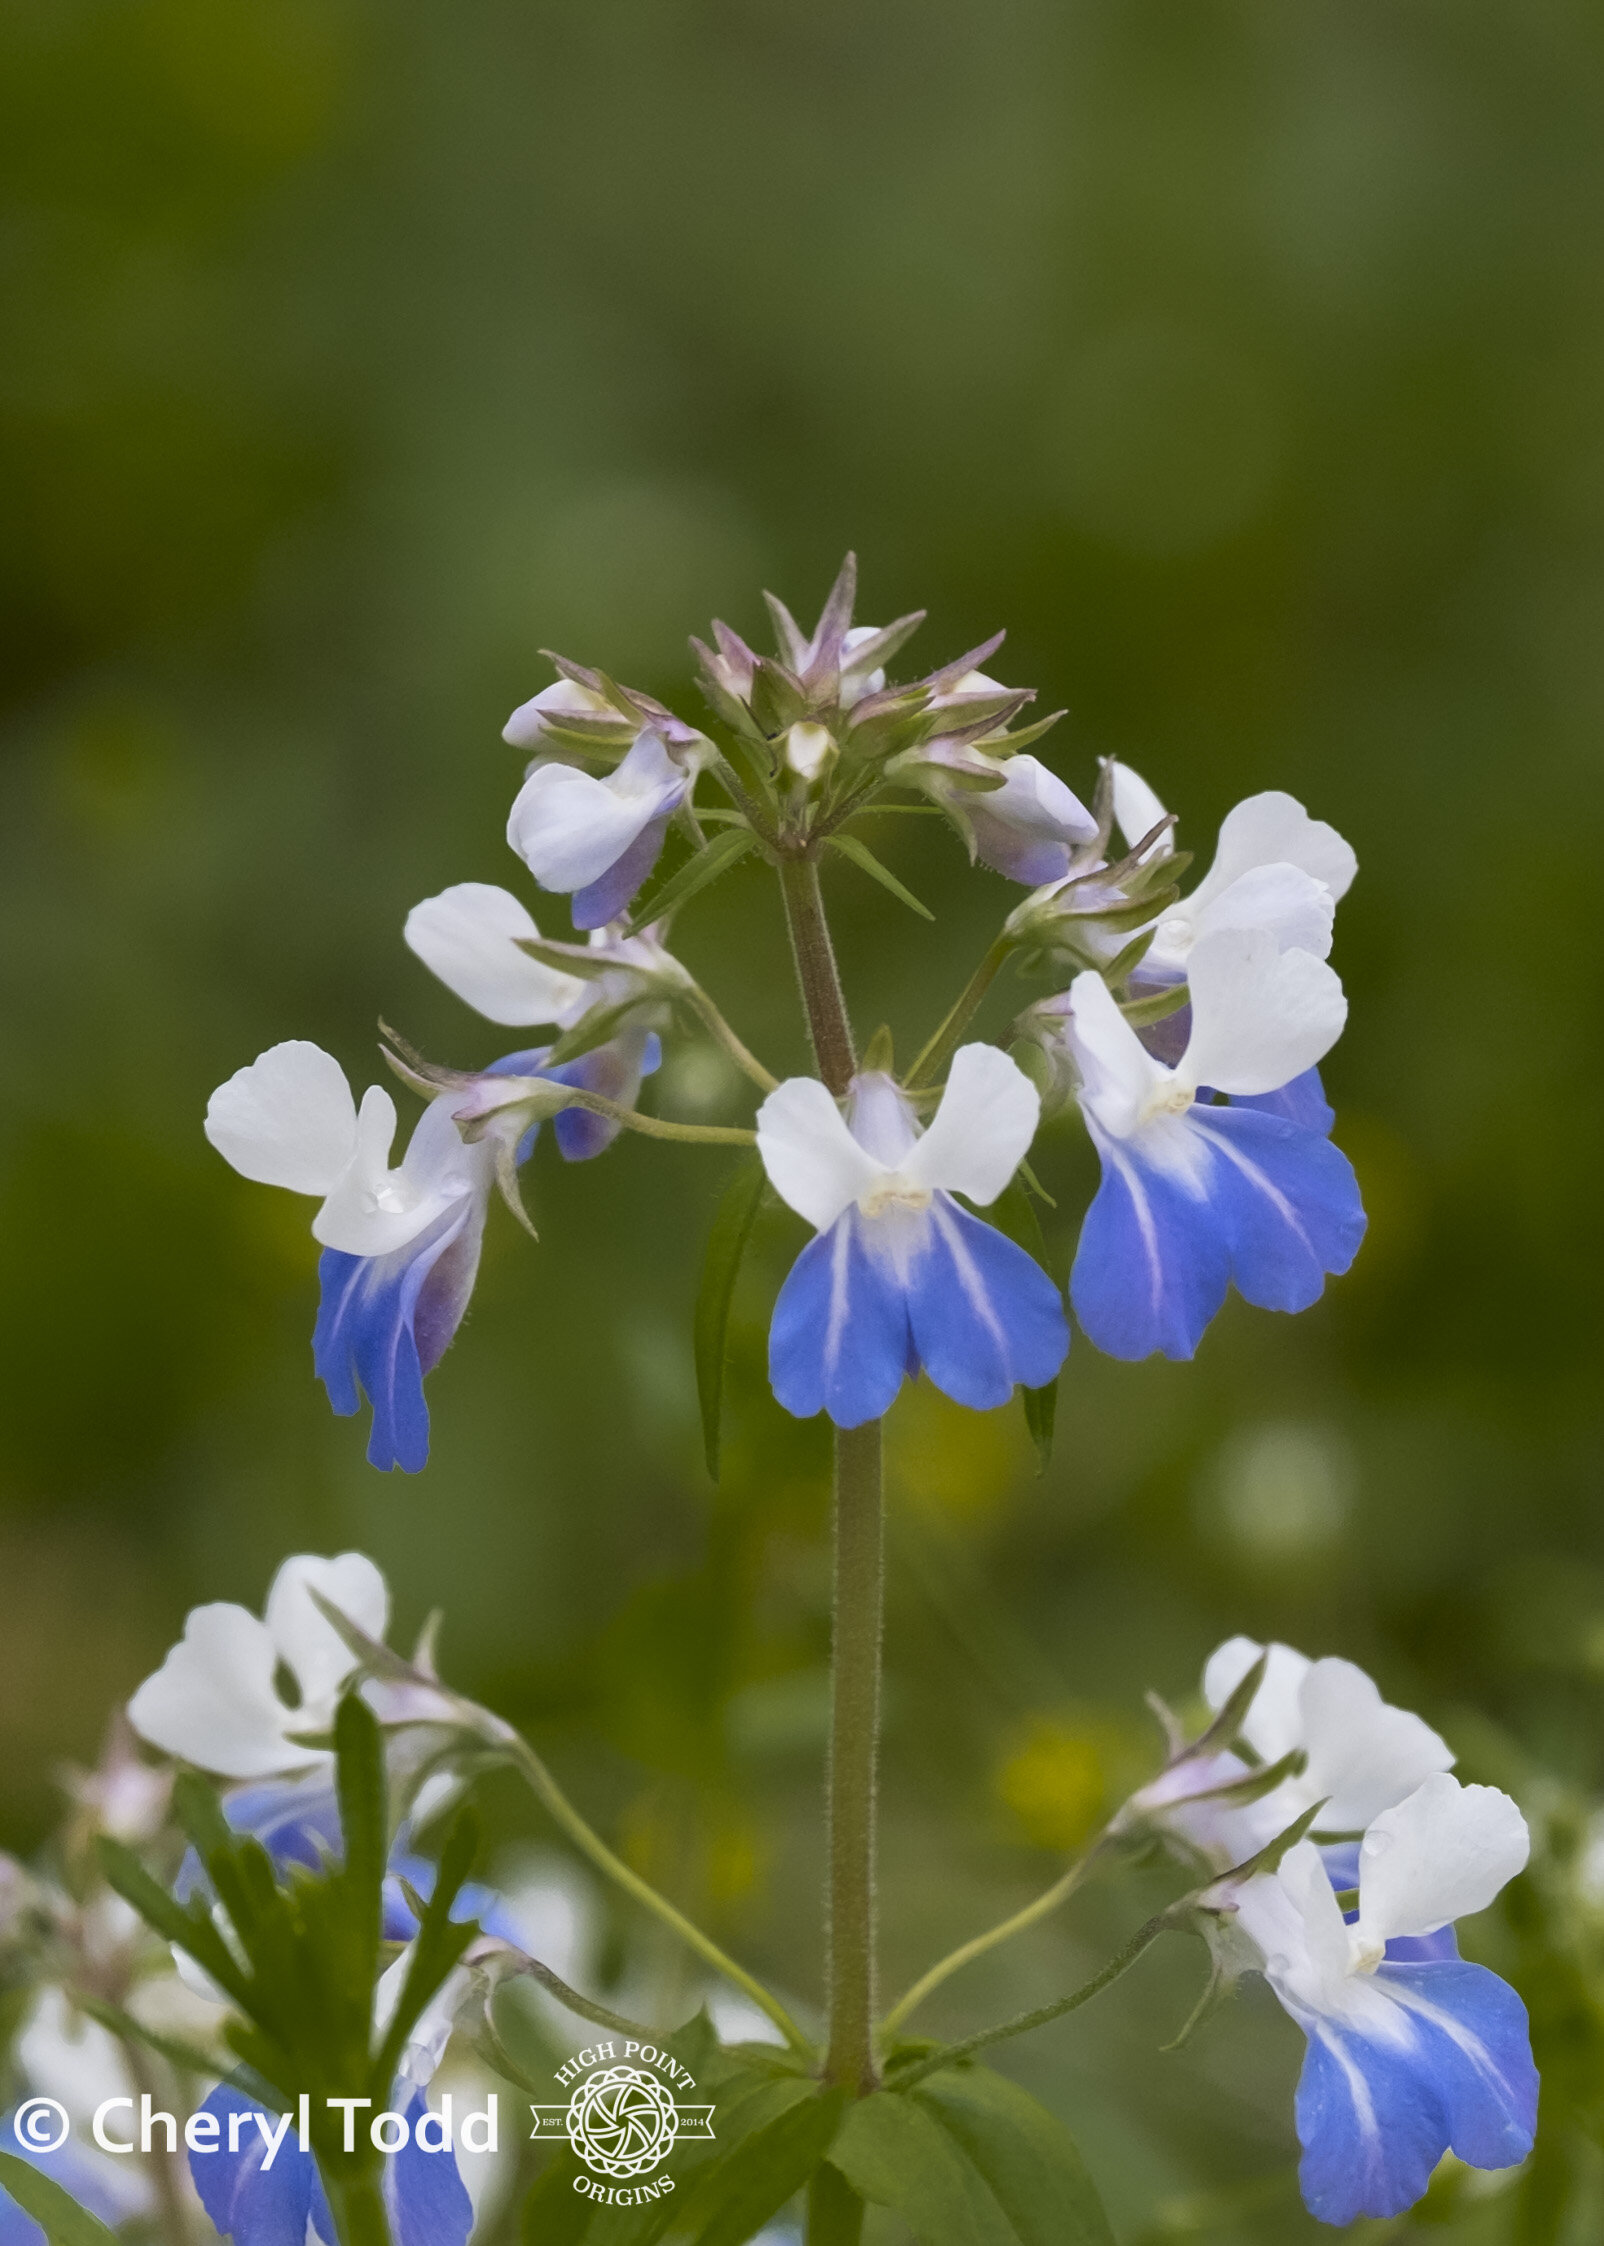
{"x": 250, "y": 2203}
{"x": 605, "y": 898}
{"x": 983, "y": 1313}
{"x": 1152, "y": 1266}
{"x": 385, "y": 1321}
{"x": 1288, "y": 1203}
{"x": 1376, "y": 2113}
{"x": 1303, "y": 1102}
{"x": 425, "y": 2197}
{"x": 839, "y": 1341}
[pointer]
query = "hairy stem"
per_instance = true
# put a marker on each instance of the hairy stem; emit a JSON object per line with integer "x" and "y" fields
{"x": 816, "y": 972}
{"x": 1023, "y": 2022}
{"x": 959, "y": 1016}
{"x": 854, "y": 1745}
{"x": 563, "y": 1813}
{"x": 1043, "y": 1907}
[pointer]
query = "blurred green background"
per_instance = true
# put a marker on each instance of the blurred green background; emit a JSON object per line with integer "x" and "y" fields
{"x": 1245, "y": 361}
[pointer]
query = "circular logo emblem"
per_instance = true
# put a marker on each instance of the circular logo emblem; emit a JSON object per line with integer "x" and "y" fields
{"x": 621, "y": 2122}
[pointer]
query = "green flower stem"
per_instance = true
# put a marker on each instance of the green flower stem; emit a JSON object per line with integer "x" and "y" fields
{"x": 719, "y": 1029}
{"x": 563, "y": 1813}
{"x": 1023, "y": 2022}
{"x": 817, "y": 973}
{"x": 854, "y": 1744}
{"x": 1043, "y": 1907}
{"x": 859, "y": 1581}
{"x": 357, "y": 2205}
{"x": 657, "y": 1126}
{"x": 942, "y": 1044}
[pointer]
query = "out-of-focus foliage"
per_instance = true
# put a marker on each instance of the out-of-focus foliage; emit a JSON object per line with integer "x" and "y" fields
{"x": 1244, "y": 361}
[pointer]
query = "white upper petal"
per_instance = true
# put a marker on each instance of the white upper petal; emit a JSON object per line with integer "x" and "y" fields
{"x": 1118, "y": 1074}
{"x": 289, "y": 1119}
{"x": 1294, "y": 1919}
{"x": 1294, "y": 908}
{"x": 374, "y": 1210}
{"x": 1260, "y": 1015}
{"x": 1364, "y": 1755}
{"x": 525, "y": 728}
{"x": 569, "y": 828}
{"x": 213, "y": 1702}
{"x": 1440, "y": 1855}
{"x": 1137, "y": 810}
{"x": 982, "y": 1130}
{"x": 1037, "y": 801}
{"x": 1274, "y": 829}
{"x": 814, "y": 1163}
{"x": 307, "y": 1642}
{"x": 469, "y": 936}
{"x": 1273, "y": 1725}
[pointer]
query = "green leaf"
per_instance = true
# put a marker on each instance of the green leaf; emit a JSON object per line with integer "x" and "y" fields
{"x": 715, "y": 857}
{"x": 438, "y": 1944}
{"x": 554, "y": 2214}
{"x": 188, "y": 2057}
{"x": 1140, "y": 1011}
{"x": 594, "y": 1027}
{"x": 726, "y": 1245}
{"x": 1025, "y": 2154}
{"x": 895, "y": 2153}
{"x": 1014, "y": 1214}
{"x": 835, "y": 2212}
{"x": 766, "y": 2169}
{"x": 866, "y": 862}
{"x": 189, "y": 1926}
{"x": 56, "y": 2212}
{"x": 364, "y": 1816}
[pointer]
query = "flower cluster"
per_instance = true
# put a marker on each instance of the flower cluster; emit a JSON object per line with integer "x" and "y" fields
{"x": 1413, "y": 2052}
{"x": 1186, "y": 1030}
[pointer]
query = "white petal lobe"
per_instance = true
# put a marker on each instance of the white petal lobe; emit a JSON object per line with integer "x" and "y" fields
{"x": 469, "y": 937}
{"x": 814, "y": 1163}
{"x": 1439, "y": 1856}
{"x": 982, "y": 1130}
{"x": 288, "y": 1119}
{"x": 1260, "y": 1015}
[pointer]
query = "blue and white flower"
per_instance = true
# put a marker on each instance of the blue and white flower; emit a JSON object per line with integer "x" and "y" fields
{"x": 473, "y": 937}
{"x": 260, "y": 2189}
{"x": 1361, "y": 1756}
{"x": 402, "y": 1244}
{"x": 1197, "y": 1195}
{"x": 1274, "y": 868}
{"x": 900, "y": 1279}
{"x": 1412, "y": 2051}
{"x": 598, "y": 839}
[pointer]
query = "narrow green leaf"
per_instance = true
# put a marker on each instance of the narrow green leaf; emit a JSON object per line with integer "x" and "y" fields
{"x": 716, "y": 857}
{"x": 360, "y": 1783}
{"x": 439, "y": 1942}
{"x": 1026, "y": 2155}
{"x": 726, "y": 1245}
{"x": 1014, "y": 1214}
{"x": 835, "y": 2212}
{"x": 188, "y": 2057}
{"x": 56, "y": 2212}
{"x": 767, "y": 2169}
{"x": 895, "y": 2153}
{"x": 1140, "y": 1011}
{"x": 192, "y": 1930}
{"x": 201, "y": 1814}
{"x": 866, "y": 862}
{"x": 554, "y": 2214}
